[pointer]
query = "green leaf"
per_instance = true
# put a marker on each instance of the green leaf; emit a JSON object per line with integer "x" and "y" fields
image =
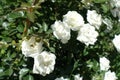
{"x": 8, "y": 72}
{"x": 45, "y": 26}
{"x": 98, "y": 76}
{"x": 52, "y": 49}
{"x": 105, "y": 8}
{"x": 1, "y": 72}
{"x": 85, "y": 52}
{"x": 5, "y": 32}
{"x": 76, "y": 64}
{"x": 23, "y": 72}
{"x": 39, "y": 25}
{"x": 25, "y": 4}
{"x": 1, "y": 21}
{"x": 20, "y": 28}
{"x": 19, "y": 35}
{"x": 100, "y": 1}
{"x": 3, "y": 51}
{"x": 39, "y": 13}
{"x": 13, "y": 55}
{"x": 7, "y": 39}
{"x": 28, "y": 77}
{"x": 14, "y": 15}
{"x": 31, "y": 16}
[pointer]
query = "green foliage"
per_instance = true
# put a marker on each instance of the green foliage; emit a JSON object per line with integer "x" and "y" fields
{"x": 100, "y": 1}
{"x": 21, "y": 18}
{"x": 22, "y": 73}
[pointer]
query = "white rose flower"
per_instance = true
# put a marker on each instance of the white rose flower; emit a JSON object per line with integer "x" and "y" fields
{"x": 30, "y": 47}
{"x": 116, "y": 42}
{"x": 61, "y": 31}
{"x": 87, "y": 34}
{"x": 104, "y": 64}
{"x": 77, "y": 77}
{"x": 61, "y": 78}
{"x": 44, "y": 63}
{"x": 74, "y": 20}
{"x": 110, "y": 76}
{"x": 94, "y": 18}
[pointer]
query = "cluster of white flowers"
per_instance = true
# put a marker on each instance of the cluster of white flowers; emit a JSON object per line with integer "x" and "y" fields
{"x": 110, "y": 76}
{"x": 43, "y": 61}
{"x": 71, "y": 20}
{"x": 74, "y": 21}
{"x": 116, "y": 42}
{"x": 104, "y": 64}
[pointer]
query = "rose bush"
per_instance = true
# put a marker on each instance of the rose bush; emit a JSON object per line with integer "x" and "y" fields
{"x": 59, "y": 40}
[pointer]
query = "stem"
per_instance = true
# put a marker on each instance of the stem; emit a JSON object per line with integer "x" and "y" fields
{"x": 27, "y": 24}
